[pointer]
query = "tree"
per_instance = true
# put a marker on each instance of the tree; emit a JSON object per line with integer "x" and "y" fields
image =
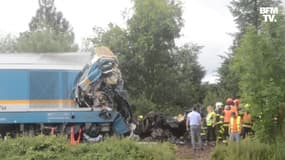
{"x": 188, "y": 74}
{"x": 152, "y": 32}
{"x": 7, "y": 43}
{"x": 211, "y": 94}
{"x": 49, "y": 32}
{"x": 245, "y": 13}
{"x": 260, "y": 59}
{"x": 115, "y": 37}
{"x": 228, "y": 81}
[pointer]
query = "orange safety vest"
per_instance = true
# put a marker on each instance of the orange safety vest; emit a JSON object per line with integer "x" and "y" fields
{"x": 235, "y": 124}
{"x": 234, "y": 109}
{"x": 247, "y": 121}
{"x": 227, "y": 116}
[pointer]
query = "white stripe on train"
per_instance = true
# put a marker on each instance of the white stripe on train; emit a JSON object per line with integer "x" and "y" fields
{"x": 40, "y": 67}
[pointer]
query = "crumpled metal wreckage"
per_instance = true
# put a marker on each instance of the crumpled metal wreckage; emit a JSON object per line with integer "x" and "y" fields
{"x": 100, "y": 86}
{"x": 156, "y": 126}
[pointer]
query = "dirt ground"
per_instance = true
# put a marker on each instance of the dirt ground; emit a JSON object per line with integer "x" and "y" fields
{"x": 185, "y": 152}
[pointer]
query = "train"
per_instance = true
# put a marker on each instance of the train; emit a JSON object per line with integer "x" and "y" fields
{"x": 57, "y": 93}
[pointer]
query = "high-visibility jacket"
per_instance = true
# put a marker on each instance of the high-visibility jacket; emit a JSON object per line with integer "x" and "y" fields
{"x": 227, "y": 116}
{"x": 203, "y": 131}
{"x": 235, "y": 124}
{"x": 210, "y": 118}
{"x": 247, "y": 121}
{"x": 234, "y": 109}
{"x": 219, "y": 119}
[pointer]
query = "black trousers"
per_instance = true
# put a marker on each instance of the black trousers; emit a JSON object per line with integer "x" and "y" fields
{"x": 211, "y": 136}
{"x": 246, "y": 131}
{"x": 226, "y": 133}
{"x": 219, "y": 131}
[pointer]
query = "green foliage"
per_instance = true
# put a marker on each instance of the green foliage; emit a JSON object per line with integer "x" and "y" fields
{"x": 155, "y": 70}
{"x": 260, "y": 61}
{"x": 249, "y": 149}
{"x": 49, "y": 32}
{"x": 114, "y": 37}
{"x": 187, "y": 76}
{"x": 151, "y": 40}
{"x": 44, "y": 42}
{"x": 228, "y": 82}
{"x": 142, "y": 105}
{"x": 212, "y": 96}
{"x": 245, "y": 13}
{"x": 7, "y": 43}
{"x": 48, "y": 18}
{"x": 227, "y": 85}
{"x": 58, "y": 148}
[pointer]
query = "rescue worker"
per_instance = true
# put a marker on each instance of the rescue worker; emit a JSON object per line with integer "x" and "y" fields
{"x": 246, "y": 122}
{"x": 218, "y": 106}
{"x": 234, "y": 107}
{"x": 219, "y": 129}
{"x": 139, "y": 128}
{"x": 235, "y": 127}
{"x": 227, "y": 117}
{"x": 204, "y": 131}
{"x": 210, "y": 122}
{"x": 229, "y": 101}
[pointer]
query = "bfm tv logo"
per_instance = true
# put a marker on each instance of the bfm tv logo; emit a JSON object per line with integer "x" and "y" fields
{"x": 269, "y": 13}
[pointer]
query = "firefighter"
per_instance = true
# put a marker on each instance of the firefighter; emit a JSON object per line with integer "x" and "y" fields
{"x": 218, "y": 106}
{"x": 219, "y": 129}
{"x": 227, "y": 117}
{"x": 204, "y": 131}
{"x": 247, "y": 122}
{"x": 210, "y": 121}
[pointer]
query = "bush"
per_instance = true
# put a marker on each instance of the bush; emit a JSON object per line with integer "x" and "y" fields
{"x": 59, "y": 148}
{"x": 142, "y": 105}
{"x": 249, "y": 149}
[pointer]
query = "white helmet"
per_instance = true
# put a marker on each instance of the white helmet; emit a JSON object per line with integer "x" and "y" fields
{"x": 218, "y": 105}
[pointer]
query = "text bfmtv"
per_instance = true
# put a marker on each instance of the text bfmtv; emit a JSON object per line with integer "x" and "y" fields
{"x": 269, "y": 13}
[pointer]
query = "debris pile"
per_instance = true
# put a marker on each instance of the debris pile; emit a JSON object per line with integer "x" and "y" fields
{"x": 156, "y": 126}
{"x": 100, "y": 85}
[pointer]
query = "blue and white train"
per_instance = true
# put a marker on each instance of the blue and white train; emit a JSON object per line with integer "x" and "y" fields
{"x": 40, "y": 93}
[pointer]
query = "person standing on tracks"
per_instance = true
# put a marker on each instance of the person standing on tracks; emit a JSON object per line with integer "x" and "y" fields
{"x": 210, "y": 121}
{"x": 194, "y": 121}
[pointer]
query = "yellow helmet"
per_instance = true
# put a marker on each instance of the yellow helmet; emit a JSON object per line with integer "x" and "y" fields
{"x": 140, "y": 117}
{"x": 247, "y": 106}
{"x": 180, "y": 117}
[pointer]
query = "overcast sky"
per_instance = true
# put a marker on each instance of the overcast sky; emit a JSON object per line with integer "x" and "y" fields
{"x": 207, "y": 22}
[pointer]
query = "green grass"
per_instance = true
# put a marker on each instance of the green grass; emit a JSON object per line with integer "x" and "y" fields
{"x": 249, "y": 149}
{"x": 59, "y": 148}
